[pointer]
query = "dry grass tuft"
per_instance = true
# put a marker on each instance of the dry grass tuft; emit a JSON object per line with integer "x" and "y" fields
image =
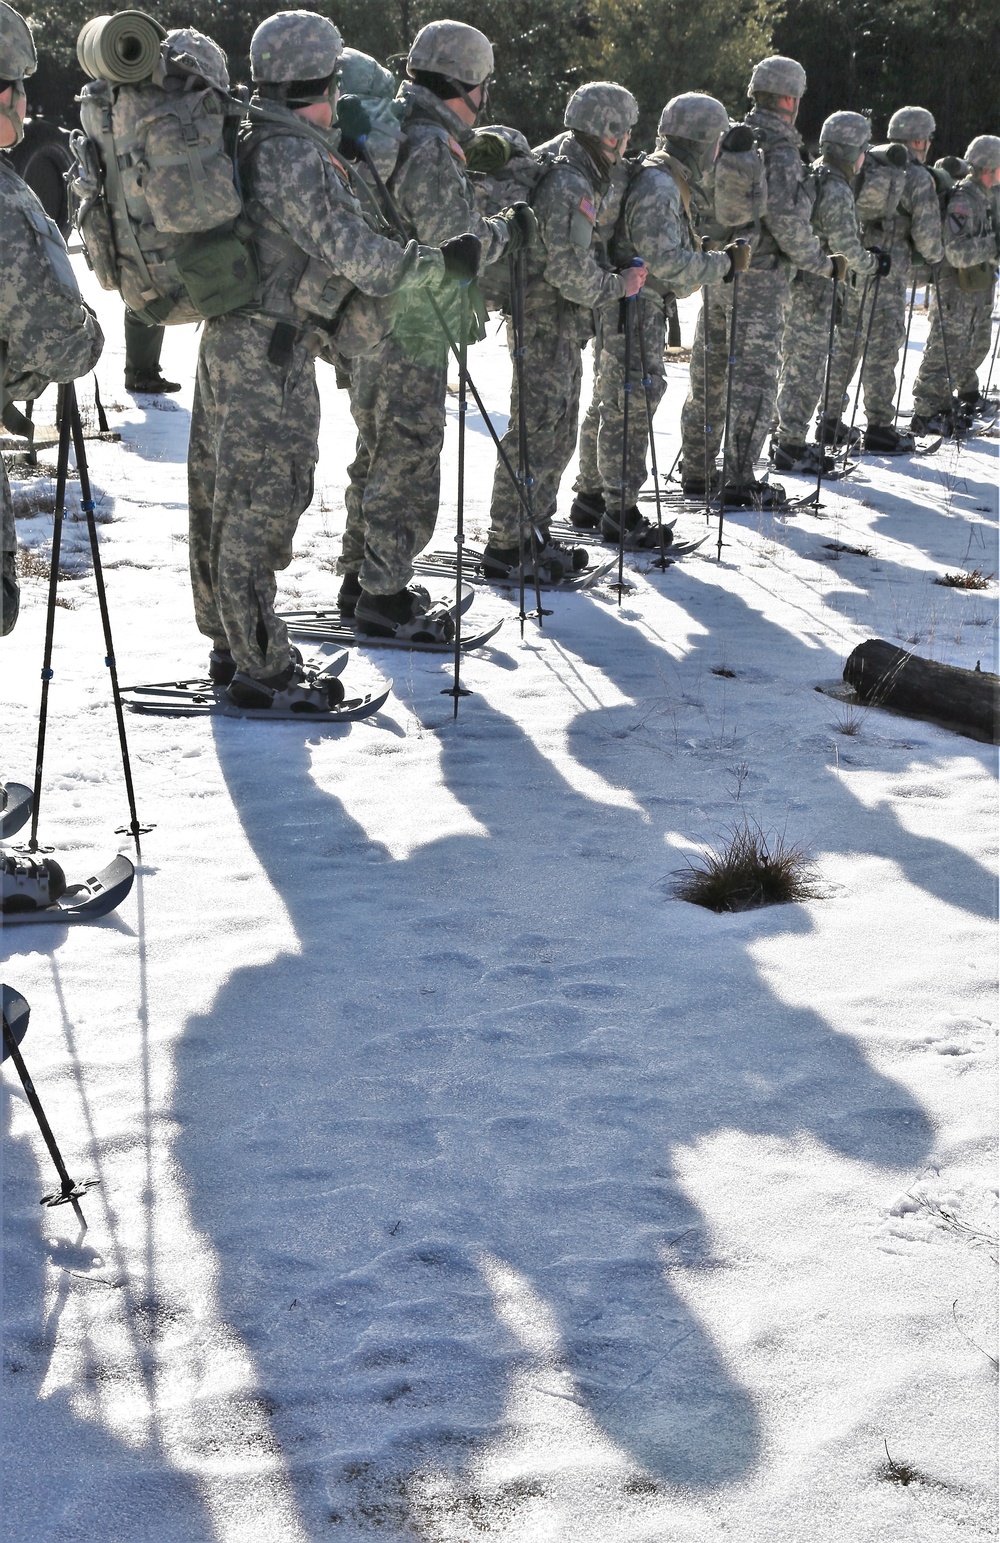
{"x": 974, "y": 579}
{"x": 750, "y": 871}
{"x": 898, "y": 1473}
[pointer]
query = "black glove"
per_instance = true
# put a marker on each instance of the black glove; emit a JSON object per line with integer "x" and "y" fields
{"x": 486, "y": 152}
{"x": 883, "y": 260}
{"x": 739, "y": 138}
{"x": 354, "y": 124}
{"x": 522, "y": 222}
{"x": 739, "y": 254}
{"x": 461, "y": 257}
{"x": 839, "y": 266}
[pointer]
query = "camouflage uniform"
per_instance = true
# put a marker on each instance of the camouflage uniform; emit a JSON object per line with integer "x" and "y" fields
{"x": 971, "y": 250}
{"x": 786, "y": 241}
{"x": 398, "y": 396}
{"x": 565, "y": 283}
{"x": 914, "y": 232}
{"x": 588, "y": 478}
{"x": 654, "y": 224}
{"x": 807, "y": 321}
{"x": 255, "y": 418}
{"x": 46, "y": 332}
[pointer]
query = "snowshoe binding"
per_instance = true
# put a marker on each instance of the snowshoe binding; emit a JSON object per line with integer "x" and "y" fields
{"x": 587, "y": 510}
{"x": 409, "y": 615}
{"x": 553, "y": 562}
{"x": 808, "y": 460}
{"x": 641, "y": 535}
{"x": 883, "y": 439}
{"x": 834, "y": 431}
{"x": 293, "y": 690}
{"x": 755, "y": 495}
{"x": 30, "y": 882}
{"x": 349, "y": 594}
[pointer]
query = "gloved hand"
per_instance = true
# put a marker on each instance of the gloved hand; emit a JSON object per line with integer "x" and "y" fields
{"x": 739, "y": 254}
{"x": 883, "y": 260}
{"x": 738, "y": 139}
{"x": 487, "y": 152}
{"x": 354, "y": 124}
{"x": 838, "y": 267}
{"x": 522, "y": 222}
{"x": 461, "y": 257}
{"x": 633, "y": 277}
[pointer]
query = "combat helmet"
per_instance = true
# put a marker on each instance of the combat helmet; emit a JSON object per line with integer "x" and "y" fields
{"x": 602, "y": 108}
{"x": 362, "y": 75}
{"x": 17, "y": 60}
{"x": 909, "y": 123}
{"x": 847, "y": 132}
{"x": 984, "y": 151}
{"x": 778, "y": 76}
{"x": 460, "y": 53}
{"x": 294, "y": 45}
{"x": 692, "y": 115}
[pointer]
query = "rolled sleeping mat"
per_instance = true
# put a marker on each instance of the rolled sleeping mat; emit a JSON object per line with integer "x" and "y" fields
{"x": 123, "y": 48}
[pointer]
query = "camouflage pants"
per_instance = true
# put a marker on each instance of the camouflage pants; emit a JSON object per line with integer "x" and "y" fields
{"x": 963, "y": 344}
{"x": 253, "y": 449}
{"x": 552, "y": 372}
{"x": 763, "y": 297}
{"x": 394, "y": 481}
{"x": 888, "y": 332}
{"x": 9, "y": 594}
{"x": 610, "y": 392}
{"x": 804, "y": 348}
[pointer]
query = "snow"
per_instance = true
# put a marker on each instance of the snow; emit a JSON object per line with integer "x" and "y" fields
{"x": 456, "y": 1179}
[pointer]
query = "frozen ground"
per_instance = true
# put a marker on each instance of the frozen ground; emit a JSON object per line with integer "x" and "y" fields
{"x": 457, "y": 1181}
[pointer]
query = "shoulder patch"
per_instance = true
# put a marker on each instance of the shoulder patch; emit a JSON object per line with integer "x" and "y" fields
{"x": 587, "y": 208}
{"x": 455, "y": 148}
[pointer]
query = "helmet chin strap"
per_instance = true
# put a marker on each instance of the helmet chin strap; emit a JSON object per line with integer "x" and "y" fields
{"x": 478, "y": 112}
{"x": 11, "y": 114}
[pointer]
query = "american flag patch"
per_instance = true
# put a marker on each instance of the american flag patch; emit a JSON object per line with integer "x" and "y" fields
{"x": 455, "y": 148}
{"x": 588, "y": 209}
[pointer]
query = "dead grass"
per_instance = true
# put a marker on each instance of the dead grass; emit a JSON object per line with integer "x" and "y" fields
{"x": 853, "y": 551}
{"x": 751, "y": 870}
{"x": 974, "y": 579}
{"x": 893, "y": 1472}
{"x": 30, "y": 565}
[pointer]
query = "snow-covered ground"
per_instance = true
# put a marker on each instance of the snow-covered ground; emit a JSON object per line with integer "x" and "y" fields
{"x": 456, "y": 1180}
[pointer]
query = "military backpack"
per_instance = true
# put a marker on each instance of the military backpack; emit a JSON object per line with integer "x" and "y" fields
{"x": 516, "y": 182}
{"x": 740, "y": 181}
{"x": 880, "y": 186}
{"x": 159, "y": 208}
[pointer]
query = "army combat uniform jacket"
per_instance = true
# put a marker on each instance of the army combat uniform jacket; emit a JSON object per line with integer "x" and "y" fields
{"x": 255, "y": 417}
{"x": 47, "y": 334}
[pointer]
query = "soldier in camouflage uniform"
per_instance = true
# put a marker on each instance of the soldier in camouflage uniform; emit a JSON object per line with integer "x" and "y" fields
{"x": 843, "y": 140}
{"x": 963, "y": 305}
{"x": 398, "y": 396}
{"x": 786, "y": 241}
{"x": 565, "y": 283}
{"x": 46, "y": 332}
{"x": 911, "y": 233}
{"x": 655, "y": 223}
{"x": 255, "y": 419}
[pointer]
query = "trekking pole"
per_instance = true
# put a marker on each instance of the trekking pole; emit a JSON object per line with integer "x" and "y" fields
{"x": 861, "y": 370}
{"x": 647, "y": 383}
{"x": 955, "y": 434}
{"x": 396, "y": 220}
{"x": 729, "y": 407}
{"x": 850, "y": 364}
{"x": 517, "y": 291}
{"x": 989, "y": 378}
{"x": 72, "y": 411}
{"x": 456, "y": 690}
{"x": 15, "y": 1013}
{"x": 906, "y": 345}
{"x": 62, "y": 467}
{"x": 626, "y": 319}
{"x": 830, "y": 345}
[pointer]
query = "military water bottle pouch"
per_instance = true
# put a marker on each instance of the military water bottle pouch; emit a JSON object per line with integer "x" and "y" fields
{"x": 977, "y": 279}
{"x": 218, "y": 271}
{"x": 320, "y": 291}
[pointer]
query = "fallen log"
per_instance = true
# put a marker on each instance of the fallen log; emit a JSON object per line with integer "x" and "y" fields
{"x": 885, "y": 676}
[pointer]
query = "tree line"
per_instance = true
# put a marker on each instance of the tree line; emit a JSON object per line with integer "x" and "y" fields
{"x": 866, "y": 55}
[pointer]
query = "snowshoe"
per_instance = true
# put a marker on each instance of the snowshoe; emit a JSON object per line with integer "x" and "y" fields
{"x": 940, "y": 422}
{"x": 807, "y": 459}
{"x": 30, "y": 882}
{"x": 587, "y": 510}
{"x": 641, "y": 535}
{"x": 15, "y": 808}
{"x": 553, "y": 562}
{"x": 292, "y": 690}
{"x": 755, "y": 495}
{"x": 834, "y": 431}
{"x": 408, "y": 615}
{"x": 882, "y": 439}
{"x": 349, "y": 594}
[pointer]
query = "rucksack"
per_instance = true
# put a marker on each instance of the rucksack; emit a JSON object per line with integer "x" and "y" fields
{"x": 740, "y": 182}
{"x": 881, "y": 184}
{"x": 159, "y": 203}
{"x": 375, "y": 87}
{"x": 517, "y": 182}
